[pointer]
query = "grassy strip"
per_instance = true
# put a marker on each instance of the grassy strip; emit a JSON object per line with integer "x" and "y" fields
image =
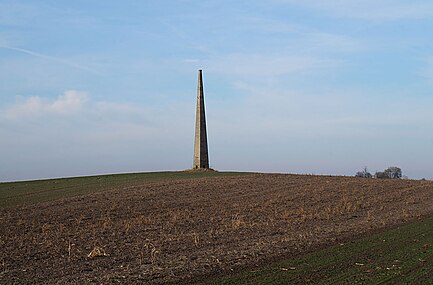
{"x": 399, "y": 256}
{"x": 30, "y": 192}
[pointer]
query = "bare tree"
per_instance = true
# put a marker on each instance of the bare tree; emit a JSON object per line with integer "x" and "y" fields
{"x": 364, "y": 173}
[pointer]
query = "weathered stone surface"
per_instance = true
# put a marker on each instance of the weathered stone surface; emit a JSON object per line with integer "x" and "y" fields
{"x": 201, "y": 157}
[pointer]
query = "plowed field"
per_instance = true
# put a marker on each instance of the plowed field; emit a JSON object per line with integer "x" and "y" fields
{"x": 181, "y": 231}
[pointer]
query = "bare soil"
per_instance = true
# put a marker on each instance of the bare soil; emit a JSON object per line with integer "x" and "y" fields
{"x": 183, "y": 230}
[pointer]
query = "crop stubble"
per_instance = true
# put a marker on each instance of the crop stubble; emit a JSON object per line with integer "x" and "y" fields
{"x": 172, "y": 231}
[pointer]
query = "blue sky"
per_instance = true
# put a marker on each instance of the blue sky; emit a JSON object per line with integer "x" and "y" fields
{"x": 323, "y": 87}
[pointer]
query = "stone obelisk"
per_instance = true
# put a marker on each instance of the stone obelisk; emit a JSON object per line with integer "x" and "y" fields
{"x": 201, "y": 158}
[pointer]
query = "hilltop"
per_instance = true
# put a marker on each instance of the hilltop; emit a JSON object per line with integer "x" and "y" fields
{"x": 172, "y": 228}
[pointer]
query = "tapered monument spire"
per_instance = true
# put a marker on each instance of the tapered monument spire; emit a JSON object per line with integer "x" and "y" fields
{"x": 201, "y": 158}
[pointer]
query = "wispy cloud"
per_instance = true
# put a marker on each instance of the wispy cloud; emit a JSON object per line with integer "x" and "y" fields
{"x": 70, "y": 102}
{"x": 77, "y": 135}
{"x": 51, "y": 58}
{"x": 78, "y": 107}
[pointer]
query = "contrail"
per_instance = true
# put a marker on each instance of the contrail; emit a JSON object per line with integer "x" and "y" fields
{"x": 51, "y": 58}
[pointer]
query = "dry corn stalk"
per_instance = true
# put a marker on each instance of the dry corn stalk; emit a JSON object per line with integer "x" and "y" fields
{"x": 96, "y": 252}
